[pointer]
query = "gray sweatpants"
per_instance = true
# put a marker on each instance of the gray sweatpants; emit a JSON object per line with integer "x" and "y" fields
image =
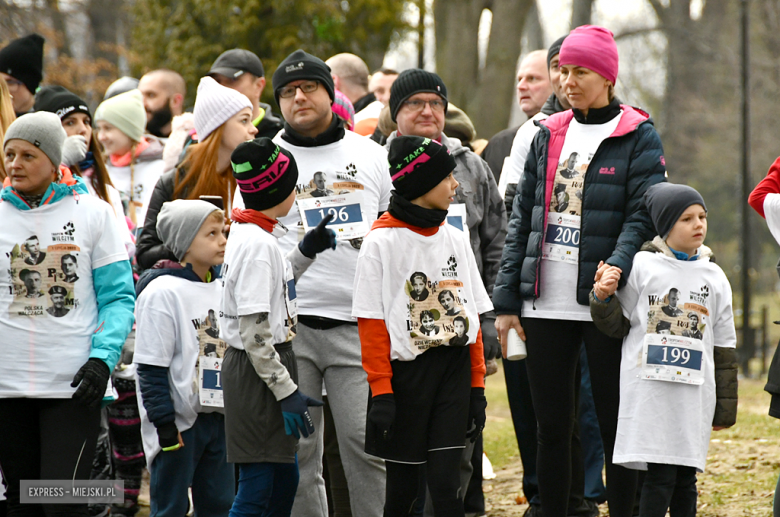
{"x": 334, "y": 355}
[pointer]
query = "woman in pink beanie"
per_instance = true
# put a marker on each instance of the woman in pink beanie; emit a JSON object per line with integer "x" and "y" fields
{"x": 579, "y": 207}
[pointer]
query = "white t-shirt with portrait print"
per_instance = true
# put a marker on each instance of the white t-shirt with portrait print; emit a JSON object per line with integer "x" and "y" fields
{"x": 48, "y": 307}
{"x": 560, "y": 250}
{"x": 177, "y": 322}
{"x": 354, "y": 163}
{"x": 679, "y": 311}
{"x": 256, "y": 278}
{"x": 429, "y": 294}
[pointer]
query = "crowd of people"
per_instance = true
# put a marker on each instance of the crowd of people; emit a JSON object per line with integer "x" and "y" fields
{"x": 295, "y": 313}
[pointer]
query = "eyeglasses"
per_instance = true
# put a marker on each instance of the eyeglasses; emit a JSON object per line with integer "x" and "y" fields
{"x": 307, "y": 87}
{"x": 418, "y": 105}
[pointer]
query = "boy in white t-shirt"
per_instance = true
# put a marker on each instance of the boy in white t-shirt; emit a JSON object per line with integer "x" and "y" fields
{"x": 678, "y": 374}
{"x": 265, "y": 413}
{"x": 178, "y": 355}
{"x": 421, "y": 344}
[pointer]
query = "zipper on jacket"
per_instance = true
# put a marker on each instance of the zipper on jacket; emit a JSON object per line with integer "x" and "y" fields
{"x": 540, "y": 249}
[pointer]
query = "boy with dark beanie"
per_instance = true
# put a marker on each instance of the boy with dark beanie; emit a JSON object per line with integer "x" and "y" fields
{"x": 678, "y": 375}
{"x": 21, "y": 65}
{"x": 426, "y": 378}
{"x": 327, "y": 344}
{"x": 265, "y": 412}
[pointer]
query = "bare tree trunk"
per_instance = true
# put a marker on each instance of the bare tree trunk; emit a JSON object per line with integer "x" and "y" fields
{"x": 534, "y": 32}
{"x": 489, "y": 109}
{"x": 581, "y": 11}
{"x": 58, "y": 22}
{"x": 457, "y": 58}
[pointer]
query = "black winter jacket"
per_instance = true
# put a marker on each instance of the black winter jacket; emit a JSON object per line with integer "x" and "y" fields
{"x": 615, "y": 221}
{"x": 149, "y": 249}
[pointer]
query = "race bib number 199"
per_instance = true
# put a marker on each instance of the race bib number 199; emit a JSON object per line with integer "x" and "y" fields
{"x": 672, "y": 359}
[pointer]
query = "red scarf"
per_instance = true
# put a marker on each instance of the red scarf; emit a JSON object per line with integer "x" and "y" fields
{"x": 253, "y": 216}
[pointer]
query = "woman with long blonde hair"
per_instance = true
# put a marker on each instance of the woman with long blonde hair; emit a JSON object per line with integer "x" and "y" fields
{"x": 7, "y": 116}
{"x": 223, "y": 119}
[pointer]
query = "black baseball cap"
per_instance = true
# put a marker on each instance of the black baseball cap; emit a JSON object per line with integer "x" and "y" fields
{"x": 233, "y": 63}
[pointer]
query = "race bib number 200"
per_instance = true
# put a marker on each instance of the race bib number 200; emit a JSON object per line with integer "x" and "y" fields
{"x": 562, "y": 239}
{"x": 673, "y": 359}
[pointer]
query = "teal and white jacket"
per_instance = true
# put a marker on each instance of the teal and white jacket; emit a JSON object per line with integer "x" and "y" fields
{"x": 66, "y": 289}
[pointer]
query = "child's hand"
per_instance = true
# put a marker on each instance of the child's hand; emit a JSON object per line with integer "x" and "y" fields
{"x": 607, "y": 278}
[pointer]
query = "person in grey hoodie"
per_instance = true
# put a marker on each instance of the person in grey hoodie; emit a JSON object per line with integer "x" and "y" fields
{"x": 418, "y": 104}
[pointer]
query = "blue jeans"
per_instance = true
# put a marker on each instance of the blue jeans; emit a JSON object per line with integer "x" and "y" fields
{"x": 200, "y": 464}
{"x": 265, "y": 489}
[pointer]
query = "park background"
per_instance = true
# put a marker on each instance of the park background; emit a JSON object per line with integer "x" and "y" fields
{"x": 680, "y": 60}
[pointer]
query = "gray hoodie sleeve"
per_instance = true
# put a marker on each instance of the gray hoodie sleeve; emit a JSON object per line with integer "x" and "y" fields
{"x": 493, "y": 228}
{"x": 255, "y": 331}
{"x": 300, "y": 262}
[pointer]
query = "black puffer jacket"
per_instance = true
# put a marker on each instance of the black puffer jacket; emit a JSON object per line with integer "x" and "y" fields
{"x": 615, "y": 221}
{"x": 150, "y": 249}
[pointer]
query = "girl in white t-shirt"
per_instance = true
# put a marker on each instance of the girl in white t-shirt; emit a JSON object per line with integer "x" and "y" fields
{"x": 678, "y": 374}
{"x": 134, "y": 159}
{"x": 418, "y": 318}
{"x": 66, "y": 307}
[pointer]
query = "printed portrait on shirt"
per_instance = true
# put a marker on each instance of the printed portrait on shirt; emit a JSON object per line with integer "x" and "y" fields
{"x": 209, "y": 344}
{"x": 44, "y": 276}
{"x": 330, "y": 183}
{"x": 436, "y": 310}
{"x": 569, "y": 182}
{"x": 679, "y": 313}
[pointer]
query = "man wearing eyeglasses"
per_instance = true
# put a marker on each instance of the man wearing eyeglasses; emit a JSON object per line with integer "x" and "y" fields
{"x": 327, "y": 345}
{"x": 418, "y": 104}
{"x": 21, "y": 65}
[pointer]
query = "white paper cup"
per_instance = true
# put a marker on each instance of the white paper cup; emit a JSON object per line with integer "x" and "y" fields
{"x": 515, "y": 347}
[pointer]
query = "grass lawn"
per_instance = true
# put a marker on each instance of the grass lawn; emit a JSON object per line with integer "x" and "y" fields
{"x": 742, "y": 465}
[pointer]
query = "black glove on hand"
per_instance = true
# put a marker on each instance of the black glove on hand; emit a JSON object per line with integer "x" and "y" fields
{"x": 93, "y": 377}
{"x": 295, "y": 411}
{"x": 477, "y": 418}
{"x": 382, "y": 414}
{"x": 490, "y": 345}
{"x": 318, "y": 239}
{"x": 168, "y": 437}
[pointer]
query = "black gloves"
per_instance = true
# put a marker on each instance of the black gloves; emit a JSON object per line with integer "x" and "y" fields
{"x": 93, "y": 377}
{"x": 318, "y": 239}
{"x": 477, "y": 418}
{"x": 295, "y": 411}
{"x": 382, "y": 414}
{"x": 168, "y": 437}
{"x": 490, "y": 345}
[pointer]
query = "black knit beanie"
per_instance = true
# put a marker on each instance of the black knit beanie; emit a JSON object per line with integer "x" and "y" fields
{"x": 554, "y": 50}
{"x": 417, "y": 165}
{"x": 414, "y": 81}
{"x": 301, "y": 65}
{"x": 666, "y": 202}
{"x": 60, "y": 101}
{"x": 22, "y": 59}
{"x": 265, "y": 173}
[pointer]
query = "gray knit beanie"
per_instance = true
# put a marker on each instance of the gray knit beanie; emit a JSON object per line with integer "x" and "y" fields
{"x": 179, "y": 221}
{"x": 666, "y": 202}
{"x": 43, "y": 130}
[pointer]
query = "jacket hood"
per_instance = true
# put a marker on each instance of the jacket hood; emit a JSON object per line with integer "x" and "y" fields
{"x": 153, "y": 151}
{"x": 67, "y": 185}
{"x": 270, "y": 115}
{"x": 631, "y": 119}
{"x": 164, "y": 268}
{"x": 658, "y": 245}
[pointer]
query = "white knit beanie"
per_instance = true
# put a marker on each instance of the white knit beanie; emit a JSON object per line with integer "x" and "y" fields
{"x": 214, "y": 105}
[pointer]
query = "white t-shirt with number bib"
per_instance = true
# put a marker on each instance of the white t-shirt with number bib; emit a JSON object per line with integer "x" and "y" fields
{"x": 427, "y": 289}
{"x": 176, "y": 324}
{"x": 48, "y": 307}
{"x": 256, "y": 277}
{"x": 560, "y": 250}
{"x": 678, "y": 311}
{"x": 353, "y": 164}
